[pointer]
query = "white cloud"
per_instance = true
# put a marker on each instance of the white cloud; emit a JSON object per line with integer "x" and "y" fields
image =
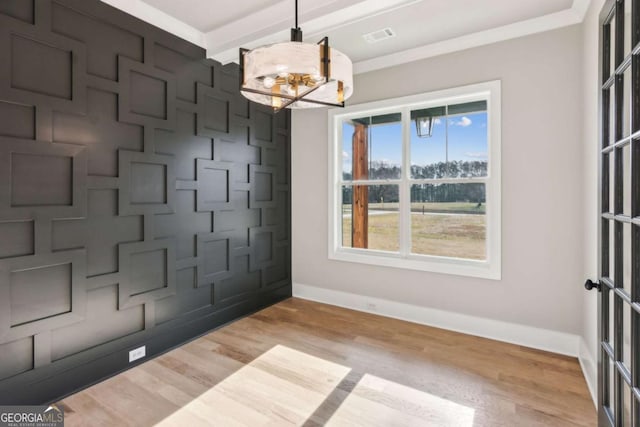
{"x": 476, "y": 154}
{"x": 437, "y": 121}
{"x": 345, "y": 155}
{"x": 464, "y": 122}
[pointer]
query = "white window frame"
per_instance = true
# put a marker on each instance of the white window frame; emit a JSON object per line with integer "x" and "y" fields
{"x": 489, "y": 268}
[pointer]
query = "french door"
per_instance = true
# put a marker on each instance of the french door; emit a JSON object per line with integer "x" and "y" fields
{"x": 619, "y": 283}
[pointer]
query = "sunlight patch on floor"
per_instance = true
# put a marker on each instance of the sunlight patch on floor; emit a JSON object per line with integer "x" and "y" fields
{"x": 379, "y": 402}
{"x": 281, "y": 387}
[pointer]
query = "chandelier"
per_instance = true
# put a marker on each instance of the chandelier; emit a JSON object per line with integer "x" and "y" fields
{"x": 296, "y": 74}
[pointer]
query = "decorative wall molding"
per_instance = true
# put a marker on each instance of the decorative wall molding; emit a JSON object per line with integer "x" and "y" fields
{"x": 128, "y": 212}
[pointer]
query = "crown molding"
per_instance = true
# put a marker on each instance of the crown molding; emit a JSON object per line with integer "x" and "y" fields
{"x": 552, "y": 21}
{"x": 269, "y": 26}
{"x": 160, "y": 19}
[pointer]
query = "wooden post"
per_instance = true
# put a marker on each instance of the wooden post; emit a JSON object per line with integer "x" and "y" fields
{"x": 360, "y": 206}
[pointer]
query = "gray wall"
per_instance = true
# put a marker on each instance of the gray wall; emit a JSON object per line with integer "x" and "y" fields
{"x": 143, "y": 200}
{"x": 542, "y": 178}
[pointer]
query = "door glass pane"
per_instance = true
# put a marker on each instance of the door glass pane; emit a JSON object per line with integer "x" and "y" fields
{"x": 626, "y": 102}
{"x": 372, "y": 147}
{"x": 626, "y": 258}
{"x": 612, "y": 116}
{"x": 626, "y": 180}
{"x": 375, "y": 225}
{"x": 626, "y": 335}
{"x": 612, "y": 373}
{"x": 612, "y": 43}
{"x": 626, "y": 405}
{"x": 627, "y": 27}
{"x": 449, "y": 220}
{"x": 612, "y": 182}
{"x": 612, "y": 335}
{"x": 612, "y": 251}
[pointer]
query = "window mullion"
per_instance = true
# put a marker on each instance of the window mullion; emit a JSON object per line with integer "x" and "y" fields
{"x": 404, "y": 207}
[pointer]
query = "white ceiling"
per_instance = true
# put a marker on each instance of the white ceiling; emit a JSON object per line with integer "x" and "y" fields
{"x": 207, "y": 15}
{"x": 423, "y": 27}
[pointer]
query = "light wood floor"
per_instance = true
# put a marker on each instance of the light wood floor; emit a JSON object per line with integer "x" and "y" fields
{"x": 310, "y": 364}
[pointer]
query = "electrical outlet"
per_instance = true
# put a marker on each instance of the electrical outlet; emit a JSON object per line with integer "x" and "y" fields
{"x": 372, "y": 306}
{"x": 137, "y": 353}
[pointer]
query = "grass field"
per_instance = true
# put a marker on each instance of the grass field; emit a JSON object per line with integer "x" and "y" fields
{"x": 458, "y": 236}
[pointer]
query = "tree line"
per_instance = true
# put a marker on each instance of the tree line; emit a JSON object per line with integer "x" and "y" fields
{"x": 434, "y": 193}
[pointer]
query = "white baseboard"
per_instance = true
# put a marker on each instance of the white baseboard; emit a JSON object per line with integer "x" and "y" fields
{"x": 589, "y": 370}
{"x": 542, "y": 339}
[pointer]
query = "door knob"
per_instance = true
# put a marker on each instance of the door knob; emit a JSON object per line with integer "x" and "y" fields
{"x": 589, "y": 284}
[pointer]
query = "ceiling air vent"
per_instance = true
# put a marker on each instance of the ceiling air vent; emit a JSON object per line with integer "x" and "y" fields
{"x": 379, "y": 35}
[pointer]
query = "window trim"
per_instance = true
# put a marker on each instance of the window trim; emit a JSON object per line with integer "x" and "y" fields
{"x": 491, "y": 268}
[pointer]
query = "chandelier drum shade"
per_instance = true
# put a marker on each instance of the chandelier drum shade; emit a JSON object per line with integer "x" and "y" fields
{"x": 296, "y": 74}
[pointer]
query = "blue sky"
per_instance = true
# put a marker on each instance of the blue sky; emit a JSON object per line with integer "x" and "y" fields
{"x": 467, "y": 141}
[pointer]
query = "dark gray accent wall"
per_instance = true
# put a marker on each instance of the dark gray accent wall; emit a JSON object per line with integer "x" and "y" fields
{"x": 143, "y": 200}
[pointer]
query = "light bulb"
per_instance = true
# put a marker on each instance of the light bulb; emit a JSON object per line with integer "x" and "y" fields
{"x": 291, "y": 90}
{"x": 283, "y": 74}
{"x": 268, "y": 82}
{"x": 317, "y": 77}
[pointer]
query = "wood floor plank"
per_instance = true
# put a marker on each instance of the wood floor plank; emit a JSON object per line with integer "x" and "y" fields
{"x": 309, "y": 364}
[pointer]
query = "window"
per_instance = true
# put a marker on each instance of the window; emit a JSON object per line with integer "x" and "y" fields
{"x": 415, "y": 182}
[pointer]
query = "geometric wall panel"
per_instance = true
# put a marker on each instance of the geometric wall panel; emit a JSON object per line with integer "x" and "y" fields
{"x": 190, "y": 147}
{"x": 215, "y": 185}
{"x": 141, "y": 195}
{"x": 16, "y": 239}
{"x": 147, "y": 183}
{"x": 52, "y": 188}
{"x": 147, "y": 95}
{"x": 263, "y": 181}
{"x": 244, "y": 283}
{"x": 188, "y": 298}
{"x": 147, "y": 271}
{"x": 16, "y": 356}
{"x": 21, "y": 120}
{"x": 101, "y": 304}
{"x": 187, "y": 70}
{"x": 99, "y": 131}
{"x": 23, "y": 10}
{"x": 101, "y": 247}
{"x": 107, "y": 41}
{"x": 183, "y": 225}
{"x": 29, "y": 51}
{"x": 41, "y": 292}
{"x": 51, "y": 177}
{"x": 30, "y": 57}
{"x": 31, "y": 300}
{"x": 213, "y": 114}
{"x": 262, "y": 240}
{"x": 215, "y": 257}
{"x": 262, "y": 134}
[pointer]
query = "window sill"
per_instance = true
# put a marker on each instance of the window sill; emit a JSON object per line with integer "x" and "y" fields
{"x": 433, "y": 264}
